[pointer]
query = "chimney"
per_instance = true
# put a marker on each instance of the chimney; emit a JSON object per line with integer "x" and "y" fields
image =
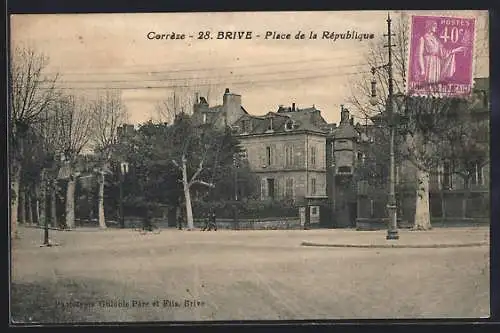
{"x": 293, "y": 106}
{"x": 197, "y": 97}
{"x": 344, "y": 114}
{"x": 231, "y": 105}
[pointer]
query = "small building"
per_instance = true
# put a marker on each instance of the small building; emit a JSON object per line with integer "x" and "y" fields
{"x": 286, "y": 149}
{"x": 218, "y": 116}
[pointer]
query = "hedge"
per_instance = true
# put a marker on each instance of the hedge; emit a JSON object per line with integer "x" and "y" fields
{"x": 246, "y": 209}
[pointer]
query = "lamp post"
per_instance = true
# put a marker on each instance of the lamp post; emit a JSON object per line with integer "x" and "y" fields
{"x": 46, "y": 240}
{"x": 49, "y": 183}
{"x": 123, "y": 172}
{"x": 392, "y": 231}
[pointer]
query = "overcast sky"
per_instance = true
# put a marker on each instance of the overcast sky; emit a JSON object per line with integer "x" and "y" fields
{"x": 95, "y": 51}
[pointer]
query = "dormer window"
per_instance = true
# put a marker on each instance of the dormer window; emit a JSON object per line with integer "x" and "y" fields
{"x": 234, "y": 129}
{"x": 289, "y": 125}
{"x": 270, "y": 127}
{"x": 246, "y": 126}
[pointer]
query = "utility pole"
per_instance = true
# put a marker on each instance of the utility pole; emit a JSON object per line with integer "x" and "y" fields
{"x": 392, "y": 231}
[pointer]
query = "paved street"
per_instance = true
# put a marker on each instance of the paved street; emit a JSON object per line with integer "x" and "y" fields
{"x": 117, "y": 275}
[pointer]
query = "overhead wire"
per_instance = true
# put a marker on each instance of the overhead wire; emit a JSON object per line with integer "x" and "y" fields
{"x": 208, "y": 78}
{"x": 202, "y": 68}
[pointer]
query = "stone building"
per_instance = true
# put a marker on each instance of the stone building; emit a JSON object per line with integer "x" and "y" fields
{"x": 219, "y": 116}
{"x": 297, "y": 155}
{"x": 287, "y": 149}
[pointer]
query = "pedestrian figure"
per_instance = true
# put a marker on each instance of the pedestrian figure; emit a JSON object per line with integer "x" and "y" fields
{"x": 147, "y": 221}
{"x": 207, "y": 222}
{"x": 212, "y": 222}
{"x": 180, "y": 219}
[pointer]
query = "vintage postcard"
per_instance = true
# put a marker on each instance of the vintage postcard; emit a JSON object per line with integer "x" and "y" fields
{"x": 238, "y": 166}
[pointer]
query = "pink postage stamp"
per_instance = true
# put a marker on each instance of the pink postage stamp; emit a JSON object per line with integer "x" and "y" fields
{"x": 441, "y": 56}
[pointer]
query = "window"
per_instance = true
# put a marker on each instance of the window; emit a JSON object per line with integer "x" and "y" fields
{"x": 289, "y": 125}
{"x": 289, "y": 155}
{"x": 344, "y": 169}
{"x": 333, "y": 155}
{"x": 313, "y": 157}
{"x": 270, "y": 188}
{"x": 314, "y": 210}
{"x": 268, "y": 155}
{"x": 480, "y": 178}
{"x": 289, "y": 188}
{"x": 477, "y": 175}
{"x": 270, "y": 127}
{"x": 313, "y": 186}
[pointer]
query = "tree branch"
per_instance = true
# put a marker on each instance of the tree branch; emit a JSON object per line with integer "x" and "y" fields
{"x": 197, "y": 173}
{"x": 177, "y": 164}
{"x": 201, "y": 182}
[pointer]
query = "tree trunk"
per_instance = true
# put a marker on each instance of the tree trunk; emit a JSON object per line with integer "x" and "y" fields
{"x": 43, "y": 199}
{"x": 70, "y": 203}
{"x": 422, "y": 208}
{"x": 22, "y": 206}
{"x": 37, "y": 210}
{"x": 14, "y": 199}
{"x": 53, "y": 205}
{"x": 187, "y": 197}
{"x": 29, "y": 212}
{"x": 102, "y": 220}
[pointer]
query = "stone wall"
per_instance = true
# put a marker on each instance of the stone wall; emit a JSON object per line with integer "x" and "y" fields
{"x": 253, "y": 224}
{"x": 242, "y": 224}
{"x": 446, "y": 207}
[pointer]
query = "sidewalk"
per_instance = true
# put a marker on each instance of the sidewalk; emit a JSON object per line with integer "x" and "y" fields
{"x": 435, "y": 238}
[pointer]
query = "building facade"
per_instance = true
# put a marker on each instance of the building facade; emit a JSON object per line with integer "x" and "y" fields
{"x": 297, "y": 155}
{"x": 287, "y": 150}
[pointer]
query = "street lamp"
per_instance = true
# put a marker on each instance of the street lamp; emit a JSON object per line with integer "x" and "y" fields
{"x": 392, "y": 230}
{"x": 123, "y": 172}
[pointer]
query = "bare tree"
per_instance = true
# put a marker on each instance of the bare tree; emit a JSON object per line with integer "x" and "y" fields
{"x": 31, "y": 93}
{"x": 108, "y": 112}
{"x": 75, "y": 124}
{"x": 180, "y": 100}
{"x": 429, "y": 132}
{"x": 176, "y": 108}
{"x": 194, "y": 146}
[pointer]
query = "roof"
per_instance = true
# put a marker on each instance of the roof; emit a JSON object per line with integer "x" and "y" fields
{"x": 345, "y": 131}
{"x": 216, "y": 108}
{"x": 309, "y": 119}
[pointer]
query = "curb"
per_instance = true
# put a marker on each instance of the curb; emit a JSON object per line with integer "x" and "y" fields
{"x": 386, "y": 246}
{"x": 67, "y": 230}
